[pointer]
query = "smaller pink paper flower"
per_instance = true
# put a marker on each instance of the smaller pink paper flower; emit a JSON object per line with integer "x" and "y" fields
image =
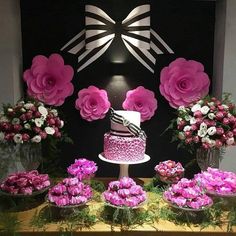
{"x": 92, "y": 103}
{"x": 49, "y": 79}
{"x": 141, "y": 100}
{"x": 183, "y": 82}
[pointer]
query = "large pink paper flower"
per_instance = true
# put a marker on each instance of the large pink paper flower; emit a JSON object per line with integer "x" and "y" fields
{"x": 93, "y": 103}
{"x": 141, "y": 100}
{"x": 49, "y": 80}
{"x": 183, "y": 82}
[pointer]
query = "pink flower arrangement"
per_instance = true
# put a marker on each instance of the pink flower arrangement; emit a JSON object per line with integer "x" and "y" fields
{"x": 141, "y": 100}
{"x": 29, "y": 121}
{"x": 169, "y": 171}
{"x": 49, "y": 80}
{"x": 124, "y": 193}
{"x": 217, "y": 181}
{"x": 187, "y": 194}
{"x": 82, "y": 169}
{"x": 206, "y": 123}
{"x": 183, "y": 82}
{"x": 69, "y": 192}
{"x": 92, "y": 103}
{"x": 25, "y": 183}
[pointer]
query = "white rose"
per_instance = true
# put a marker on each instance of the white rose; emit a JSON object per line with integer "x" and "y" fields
{"x": 28, "y": 105}
{"x": 17, "y": 138}
{"x": 15, "y": 121}
{"x": 204, "y": 110}
{"x": 38, "y": 122}
{"x": 212, "y": 143}
{"x": 205, "y": 140}
{"x": 202, "y": 133}
{"x": 2, "y": 136}
{"x": 230, "y": 141}
{"x": 196, "y": 107}
{"x": 200, "y": 102}
{"x": 62, "y": 124}
{"x": 229, "y": 115}
{"x": 203, "y": 126}
{"x": 49, "y": 130}
{"x": 225, "y": 106}
{"x": 181, "y": 108}
{"x": 193, "y": 121}
{"x": 27, "y": 126}
{"x": 181, "y": 136}
{"x": 43, "y": 110}
{"x": 21, "y": 103}
{"x": 210, "y": 104}
{"x": 22, "y": 110}
{"x": 187, "y": 118}
{"x": 187, "y": 128}
{"x": 54, "y": 112}
{"x": 211, "y": 116}
{"x": 211, "y": 130}
{"x": 4, "y": 119}
{"x": 36, "y": 139}
{"x": 10, "y": 110}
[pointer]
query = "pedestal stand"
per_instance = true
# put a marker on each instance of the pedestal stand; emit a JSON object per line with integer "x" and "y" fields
{"x": 124, "y": 166}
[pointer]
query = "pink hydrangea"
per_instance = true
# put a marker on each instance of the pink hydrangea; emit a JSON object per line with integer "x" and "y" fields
{"x": 141, "y": 100}
{"x": 187, "y": 194}
{"x": 49, "y": 79}
{"x": 92, "y": 103}
{"x": 183, "y": 81}
{"x": 69, "y": 192}
{"x": 124, "y": 192}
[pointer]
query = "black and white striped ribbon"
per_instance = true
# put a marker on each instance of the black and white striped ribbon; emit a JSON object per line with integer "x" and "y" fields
{"x": 141, "y": 41}
{"x": 134, "y": 129}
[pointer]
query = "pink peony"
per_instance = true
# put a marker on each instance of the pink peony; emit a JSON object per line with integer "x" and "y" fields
{"x": 49, "y": 80}
{"x": 141, "y": 100}
{"x": 93, "y": 103}
{"x": 183, "y": 82}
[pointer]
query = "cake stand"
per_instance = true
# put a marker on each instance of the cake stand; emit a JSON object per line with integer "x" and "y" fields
{"x": 124, "y": 165}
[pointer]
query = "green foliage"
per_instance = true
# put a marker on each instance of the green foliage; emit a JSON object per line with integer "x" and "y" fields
{"x": 231, "y": 217}
{"x": 9, "y": 223}
{"x": 98, "y": 188}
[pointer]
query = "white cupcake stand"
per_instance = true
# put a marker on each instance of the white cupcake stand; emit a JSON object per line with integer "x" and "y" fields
{"x": 124, "y": 166}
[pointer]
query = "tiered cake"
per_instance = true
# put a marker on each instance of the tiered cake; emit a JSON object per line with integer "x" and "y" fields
{"x": 120, "y": 144}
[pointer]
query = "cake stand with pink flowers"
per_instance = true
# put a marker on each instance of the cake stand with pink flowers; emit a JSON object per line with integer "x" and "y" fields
{"x": 124, "y": 165}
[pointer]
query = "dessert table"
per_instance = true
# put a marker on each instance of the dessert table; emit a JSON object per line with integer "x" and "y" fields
{"x": 162, "y": 227}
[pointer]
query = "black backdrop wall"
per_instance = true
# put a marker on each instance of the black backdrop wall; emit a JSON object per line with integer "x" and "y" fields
{"x": 186, "y": 26}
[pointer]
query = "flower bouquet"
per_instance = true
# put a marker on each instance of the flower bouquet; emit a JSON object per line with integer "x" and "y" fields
{"x": 169, "y": 171}
{"x": 25, "y": 184}
{"x": 206, "y": 126}
{"x": 217, "y": 182}
{"x": 187, "y": 195}
{"x": 124, "y": 193}
{"x": 23, "y": 127}
{"x": 82, "y": 168}
{"x": 69, "y": 193}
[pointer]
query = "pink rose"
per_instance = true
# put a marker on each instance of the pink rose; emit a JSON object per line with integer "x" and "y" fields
{"x": 26, "y": 190}
{"x": 141, "y": 100}
{"x": 49, "y": 80}
{"x": 93, "y": 103}
{"x": 62, "y": 201}
{"x": 70, "y": 181}
{"x": 183, "y": 82}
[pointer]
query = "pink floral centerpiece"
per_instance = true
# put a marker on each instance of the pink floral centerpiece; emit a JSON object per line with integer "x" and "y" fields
{"x": 82, "y": 169}
{"x": 207, "y": 123}
{"x": 25, "y": 183}
{"x": 217, "y": 182}
{"x": 29, "y": 122}
{"x": 124, "y": 193}
{"x": 169, "y": 171}
{"x": 92, "y": 103}
{"x": 141, "y": 100}
{"x": 187, "y": 194}
{"x": 69, "y": 192}
{"x": 183, "y": 82}
{"x": 49, "y": 79}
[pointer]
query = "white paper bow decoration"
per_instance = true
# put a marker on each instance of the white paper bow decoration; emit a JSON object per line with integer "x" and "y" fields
{"x": 141, "y": 41}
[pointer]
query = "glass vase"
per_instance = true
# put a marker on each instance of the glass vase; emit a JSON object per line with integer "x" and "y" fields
{"x": 19, "y": 157}
{"x": 208, "y": 158}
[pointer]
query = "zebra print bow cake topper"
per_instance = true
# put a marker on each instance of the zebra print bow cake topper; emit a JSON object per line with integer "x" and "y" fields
{"x": 134, "y": 129}
{"x": 140, "y": 40}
